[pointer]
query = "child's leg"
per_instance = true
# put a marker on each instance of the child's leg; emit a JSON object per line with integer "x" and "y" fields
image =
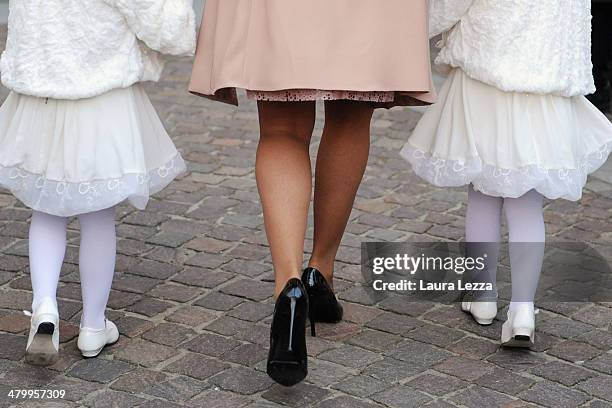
{"x": 97, "y": 265}
{"x": 47, "y": 249}
{"x": 527, "y": 236}
{"x": 483, "y": 229}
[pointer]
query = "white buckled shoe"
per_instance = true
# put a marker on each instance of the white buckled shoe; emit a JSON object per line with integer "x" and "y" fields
{"x": 43, "y": 342}
{"x": 519, "y": 329}
{"x": 482, "y": 312}
{"x": 91, "y": 342}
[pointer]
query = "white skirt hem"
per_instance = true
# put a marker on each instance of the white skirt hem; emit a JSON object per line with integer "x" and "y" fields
{"x": 511, "y": 183}
{"x": 66, "y": 199}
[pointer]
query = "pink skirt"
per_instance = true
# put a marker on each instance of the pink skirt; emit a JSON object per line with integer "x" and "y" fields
{"x": 292, "y": 50}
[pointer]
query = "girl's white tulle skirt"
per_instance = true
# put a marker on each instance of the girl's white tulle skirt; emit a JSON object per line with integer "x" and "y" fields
{"x": 506, "y": 144}
{"x": 68, "y": 157}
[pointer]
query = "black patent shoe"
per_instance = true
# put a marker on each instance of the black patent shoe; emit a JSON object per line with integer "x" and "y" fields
{"x": 324, "y": 307}
{"x": 288, "y": 360}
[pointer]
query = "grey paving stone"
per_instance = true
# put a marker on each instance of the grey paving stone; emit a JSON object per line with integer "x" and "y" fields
{"x": 324, "y": 373}
{"x": 422, "y": 354}
{"x": 601, "y": 339}
{"x": 219, "y": 399}
{"x": 399, "y": 304}
{"x": 566, "y": 374}
{"x": 211, "y": 344}
{"x": 436, "y": 384}
{"x": 136, "y": 381}
{"x": 402, "y": 396}
{"x": 191, "y": 316}
{"x": 550, "y": 394}
{"x": 219, "y": 301}
{"x": 197, "y": 366}
{"x": 159, "y": 403}
{"x": 350, "y": 356}
{"x": 252, "y": 311}
{"x": 115, "y": 399}
{"x": 345, "y": 402}
{"x": 250, "y": 289}
{"x": 132, "y": 326}
{"x": 563, "y": 327}
{"x": 228, "y": 326}
{"x": 35, "y": 377}
{"x": 505, "y": 381}
{"x": 172, "y": 239}
{"x": 154, "y": 269}
{"x": 374, "y": 340}
{"x": 595, "y": 315}
{"x": 264, "y": 404}
{"x": 13, "y": 346}
{"x": 75, "y": 389}
{"x": 178, "y": 389}
{"x": 391, "y": 370}
{"x": 480, "y": 397}
{"x": 600, "y": 387}
{"x": 169, "y": 334}
{"x": 300, "y": 395}
{"x": 247, "y": 354}
{"x": 465, "y": 368}
{"x": 99, "y": 370}
{"x": 176, "y": 293}
{"x": 149, "y": 307}
{"x": 516, "y": 359}
{"x": 436, "y": 335}
{"x": 361, "y": 386}
{"x": 574, "y": 351}
{"x": 242, "y": 380}
{"x": 473, "y": 347}
{"x": 603, "y": 363}
{"x": 145, "y": 353}
{"x": 134, "y": 283}
{"x": 202, "y": 277}
{"x": 440, "y": 404}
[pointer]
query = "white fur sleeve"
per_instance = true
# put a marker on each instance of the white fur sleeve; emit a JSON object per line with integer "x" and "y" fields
{"x": 167, "y": 26}
{"x": 444, "y": 14}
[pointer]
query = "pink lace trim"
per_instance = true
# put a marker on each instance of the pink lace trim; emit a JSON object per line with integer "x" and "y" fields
{"x": 297, "y": 95}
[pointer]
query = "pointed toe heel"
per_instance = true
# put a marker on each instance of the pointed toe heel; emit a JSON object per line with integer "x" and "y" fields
{"x": 324, "y": 306}
{"x": 288, "y": 358}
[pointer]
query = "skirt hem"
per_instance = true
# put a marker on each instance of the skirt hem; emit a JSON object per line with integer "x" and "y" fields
{"x": 509, "y": 183}
{"x": 65, "y": 199}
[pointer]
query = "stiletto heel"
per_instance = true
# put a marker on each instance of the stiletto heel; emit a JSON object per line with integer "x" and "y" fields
{"x": 288, "y": 359}
{"x": 311, "y": 317}
{"x": 324, "y": 307}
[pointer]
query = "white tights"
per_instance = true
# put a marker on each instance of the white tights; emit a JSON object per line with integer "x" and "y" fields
{"x": 527, "y": 235}
{"x": 96, "y": 260}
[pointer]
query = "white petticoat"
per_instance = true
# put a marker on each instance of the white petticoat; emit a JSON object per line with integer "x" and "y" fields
{"x": 68, "y": 157}
{"x": 506, "y": 144}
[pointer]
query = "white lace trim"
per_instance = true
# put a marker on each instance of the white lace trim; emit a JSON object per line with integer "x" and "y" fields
{"x": 296, "y": 95}
{"x": 66, "y": 199}
{"x": 499, "y": 182}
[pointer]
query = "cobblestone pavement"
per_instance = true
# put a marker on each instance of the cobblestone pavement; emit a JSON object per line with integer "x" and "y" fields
{"x": 192, "y": 292}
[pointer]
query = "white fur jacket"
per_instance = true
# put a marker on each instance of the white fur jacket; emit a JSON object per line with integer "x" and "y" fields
{"x": 529, "y": 46}
{"x": 73, "y": 49}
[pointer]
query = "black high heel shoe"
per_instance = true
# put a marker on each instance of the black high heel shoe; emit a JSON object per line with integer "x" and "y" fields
{"x": 324, "y": 306}
{"x": 288, "y": 360}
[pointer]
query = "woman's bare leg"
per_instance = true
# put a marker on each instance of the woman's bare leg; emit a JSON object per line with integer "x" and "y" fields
{"x": 284, "y": 180}
{"x": 341, "y": 162}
